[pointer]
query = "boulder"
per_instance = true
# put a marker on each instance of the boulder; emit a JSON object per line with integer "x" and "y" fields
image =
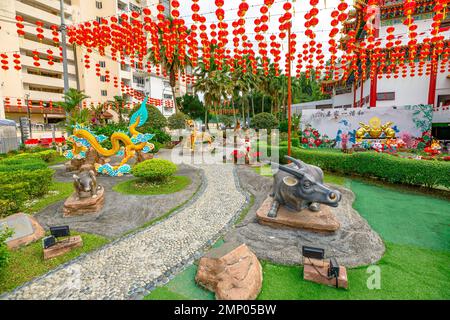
{"x": 62, "y": 247}
{"x": 232, "y": 271}
{"x": 85, "y": 205}
{"x": 26, "y": 230}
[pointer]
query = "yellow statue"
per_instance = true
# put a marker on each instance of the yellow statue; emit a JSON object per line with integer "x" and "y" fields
{"x": 375, "y": 129}
{"x": 83, "y": 138}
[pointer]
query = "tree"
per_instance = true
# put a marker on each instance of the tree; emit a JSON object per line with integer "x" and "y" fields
{"x": 72, "y": 100}
{"x": 156, "y": 119}
{"x": 119, "y": 106}
{"x": 264, "y": 120}
{"x": 170, "y": 60}
{"x": 191, "y": 106}
{"x": 177, "y": 121}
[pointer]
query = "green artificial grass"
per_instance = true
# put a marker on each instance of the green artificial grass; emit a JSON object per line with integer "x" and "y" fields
{"x": 139, "y": 187}
{"x": 404, "y": 217}
{"x": 414, "y": 266}
{"x": 58, "y": 191}
{"x": 27, "y": 262}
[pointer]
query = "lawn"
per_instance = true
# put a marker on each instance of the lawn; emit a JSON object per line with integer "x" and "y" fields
{"x": 138, "y": 187}
{"x": 58, "y": 191}
{"x": 414, "y": 266}
{"x": 27, "y": 262}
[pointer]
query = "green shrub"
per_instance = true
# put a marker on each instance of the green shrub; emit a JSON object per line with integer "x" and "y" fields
{"x": 39, "y": 180}
{"x": 177, "y": 121}
{"x": 264, "y": 120}
{"x": 46, "y": 155}
{"x": 154, "y": 170}
{"x": 5, "y": 233}
{"x": 156, "y": 119}
{"x": 379, "y": 165}
{"x": 15, "y": 196}
{"x": 21, "y": 163}
{"x": 157, "y": 145}
{"x": 160, "y": 136}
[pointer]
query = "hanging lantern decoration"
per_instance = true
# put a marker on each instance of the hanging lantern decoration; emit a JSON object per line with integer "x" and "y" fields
{"x": 4, "y": 61}
{"x": 40, "y": 30}
{"x": 36, "y": 58}
{"x": 20, "y": 26}
{"x": 17, "y": 64}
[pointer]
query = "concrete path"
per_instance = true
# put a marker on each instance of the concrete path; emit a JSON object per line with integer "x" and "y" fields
{"x": 130, "y": 267}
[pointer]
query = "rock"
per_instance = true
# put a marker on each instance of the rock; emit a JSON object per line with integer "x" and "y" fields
{"x": 88, "y": 167}
{"x": 317, "y": 271}
{"x": 78, "y": 207}
{"x": 322, "y": 221}
{"x": 62, "y": 247}
{"x": 232, "y": 271}
{"x": 26, "y": 230}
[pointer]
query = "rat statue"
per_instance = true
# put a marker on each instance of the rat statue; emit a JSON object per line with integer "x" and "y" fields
{"x": 85, "y": 182}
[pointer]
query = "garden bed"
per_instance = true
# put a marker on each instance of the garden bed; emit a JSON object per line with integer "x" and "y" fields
{"x": 121, "y": 213}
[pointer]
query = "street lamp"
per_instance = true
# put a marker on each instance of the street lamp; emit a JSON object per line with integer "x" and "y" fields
{"x": 27, "y": 103}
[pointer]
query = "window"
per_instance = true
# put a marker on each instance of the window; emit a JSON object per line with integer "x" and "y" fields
{"x": 102, "y": 78}
{"x": 99, "y": 20}
{"x": 104, "y": 93}
{"x": 102, "y": 64}
{"x": 98, "y": 4}
{"x": 167, "y": 96}
{"x": 385, "y": 96}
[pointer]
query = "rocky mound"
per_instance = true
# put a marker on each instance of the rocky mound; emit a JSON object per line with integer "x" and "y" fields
{"x": 354, "y": 244}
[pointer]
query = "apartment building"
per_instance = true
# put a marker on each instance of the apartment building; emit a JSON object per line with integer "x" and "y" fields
{"x": 39, "y": 86}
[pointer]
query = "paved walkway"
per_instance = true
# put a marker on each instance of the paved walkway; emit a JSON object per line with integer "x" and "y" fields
{"x": 131, "y": 266}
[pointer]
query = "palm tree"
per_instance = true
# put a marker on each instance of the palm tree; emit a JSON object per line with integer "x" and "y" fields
{"x": 172, "y": 62}
{"x": 72, "y": 100}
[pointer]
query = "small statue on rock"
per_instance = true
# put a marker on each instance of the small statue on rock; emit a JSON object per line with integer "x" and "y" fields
{"x": 299, "y": 186}
{"x": 85, "y": 182}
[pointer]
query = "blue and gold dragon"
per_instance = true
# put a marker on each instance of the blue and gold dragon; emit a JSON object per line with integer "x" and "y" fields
{"x": 133, "y": 141}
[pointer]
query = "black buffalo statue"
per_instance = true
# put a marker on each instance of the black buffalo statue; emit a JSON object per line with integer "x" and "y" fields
{"x": 299, "y": 186}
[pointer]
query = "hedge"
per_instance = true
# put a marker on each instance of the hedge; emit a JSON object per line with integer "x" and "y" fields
{"x": 21, "y": 163}
{"x": 18, "y": 186}
{"x": 46, "y": 155}
{"x": 377, "y": 165}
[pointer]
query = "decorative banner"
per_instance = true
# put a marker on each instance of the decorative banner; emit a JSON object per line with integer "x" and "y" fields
{"x": 410, "y": 121}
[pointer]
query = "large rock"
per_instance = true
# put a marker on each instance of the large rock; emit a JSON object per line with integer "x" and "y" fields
{"x": 353, "y": 244}
{"x": 232, "y": 271}
{"x": 26, "y": 230}
{"x": 85, "y": 205}
{"x": 62, "y": 247}
{"x": 322, "y": 221}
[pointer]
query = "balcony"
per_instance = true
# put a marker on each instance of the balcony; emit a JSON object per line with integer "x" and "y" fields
{"x": 125, "y": 74}
{"x": 43, "y": 96}
{"x": 57, "y": 67}
{"x": 46, "y": 81}
{"x": 42, "y": 48}
{"x": 30, "y": 11}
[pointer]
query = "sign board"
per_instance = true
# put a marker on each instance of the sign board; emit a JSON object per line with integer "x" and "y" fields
{"x": 413, "y": 120}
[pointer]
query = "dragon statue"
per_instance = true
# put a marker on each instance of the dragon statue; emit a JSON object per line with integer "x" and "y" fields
{"x": 133, "y": 141}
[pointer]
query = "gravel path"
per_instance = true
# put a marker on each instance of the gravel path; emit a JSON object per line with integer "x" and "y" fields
{"x": 132, "y": 266}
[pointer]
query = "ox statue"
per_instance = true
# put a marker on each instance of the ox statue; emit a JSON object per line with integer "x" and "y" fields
{"x": 300, "y": 186}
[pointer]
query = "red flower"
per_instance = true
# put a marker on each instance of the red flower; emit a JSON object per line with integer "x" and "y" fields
{"x": 304, "y": 140}
{"x": 318, "y": 142}
{"x": 316, "y": 133}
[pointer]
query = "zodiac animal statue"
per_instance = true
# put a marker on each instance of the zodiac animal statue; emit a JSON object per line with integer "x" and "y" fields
{"x": 196, "y": 136}
{"x": 133, "y": 141}
{"x": 375, "y": 129}
{"x": 85, "y": 182}
{"x": 299, "y": 186}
